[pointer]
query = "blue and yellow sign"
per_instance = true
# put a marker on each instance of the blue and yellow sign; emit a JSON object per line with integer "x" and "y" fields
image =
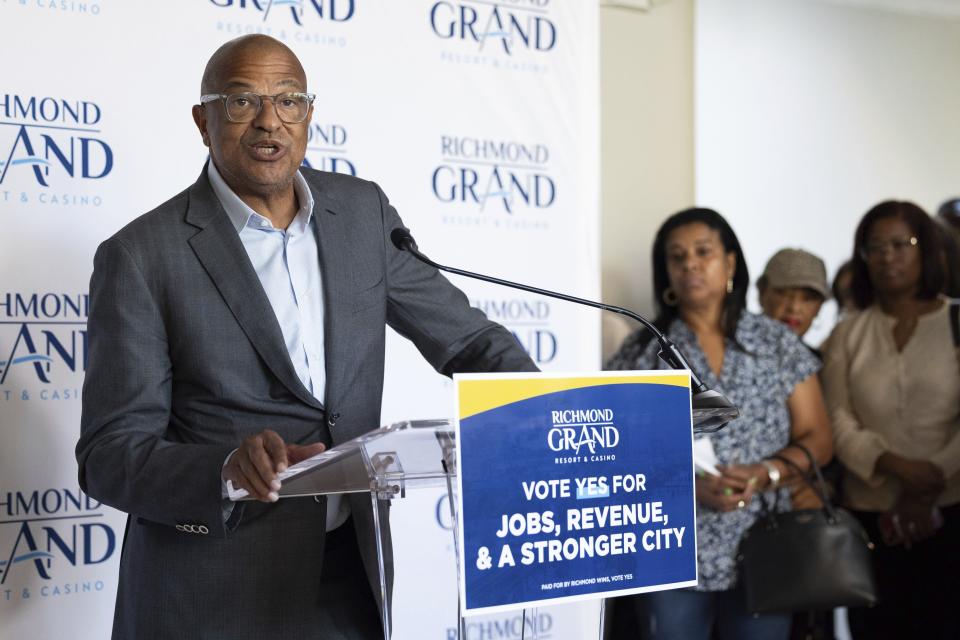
{"x": 573, "y": 487}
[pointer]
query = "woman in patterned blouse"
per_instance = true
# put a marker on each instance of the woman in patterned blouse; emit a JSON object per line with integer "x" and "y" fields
{"x": 700, "y": 280}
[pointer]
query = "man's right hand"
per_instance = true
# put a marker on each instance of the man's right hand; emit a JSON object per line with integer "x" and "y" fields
{"x": 256, "y": 465}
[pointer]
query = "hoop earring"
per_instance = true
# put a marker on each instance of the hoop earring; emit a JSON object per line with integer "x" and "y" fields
{"x": 729, "y": 285}
{"x": 669, "y": 297}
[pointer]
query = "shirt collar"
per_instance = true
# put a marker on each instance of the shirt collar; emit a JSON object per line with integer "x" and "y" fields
{"x": 241, "y": 215}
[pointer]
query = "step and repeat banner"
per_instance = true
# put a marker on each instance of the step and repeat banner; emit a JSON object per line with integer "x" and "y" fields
{"x": 480, "y": 120}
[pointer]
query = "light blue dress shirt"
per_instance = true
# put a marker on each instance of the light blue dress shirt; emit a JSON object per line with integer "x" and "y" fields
{"x": 288, "y": 265}
{"x": 287, "y": 262}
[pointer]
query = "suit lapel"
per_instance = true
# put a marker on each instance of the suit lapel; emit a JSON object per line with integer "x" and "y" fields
{"x": 219, "y": 249}
{"x": 334, "y": 264}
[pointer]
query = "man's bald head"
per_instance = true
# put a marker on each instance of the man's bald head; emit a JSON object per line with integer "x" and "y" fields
{"x": 256, "y": 43}
{"x": 257, "y": 154}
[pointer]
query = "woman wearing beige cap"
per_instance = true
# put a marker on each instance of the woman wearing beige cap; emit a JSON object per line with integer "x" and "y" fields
{"x": 793, "y": 287}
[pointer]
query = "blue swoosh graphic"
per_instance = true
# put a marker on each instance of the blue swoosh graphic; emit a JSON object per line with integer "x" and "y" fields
{"x": 31, "y": 160}
{"x": 28, "y": 556}
{"x": 32, "y": 358}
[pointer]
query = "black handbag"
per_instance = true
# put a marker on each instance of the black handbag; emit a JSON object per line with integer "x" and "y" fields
{"x": 806, "y": 559}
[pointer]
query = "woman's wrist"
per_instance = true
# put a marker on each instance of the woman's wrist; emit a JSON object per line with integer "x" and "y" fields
{"x": 775, "y": 474}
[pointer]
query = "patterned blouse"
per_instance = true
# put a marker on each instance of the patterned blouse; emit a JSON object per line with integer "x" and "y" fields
{"x": 758, "y": 380}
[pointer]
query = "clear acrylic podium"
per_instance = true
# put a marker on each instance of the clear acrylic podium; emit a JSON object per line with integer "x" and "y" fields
{"x": 388, "y": 463}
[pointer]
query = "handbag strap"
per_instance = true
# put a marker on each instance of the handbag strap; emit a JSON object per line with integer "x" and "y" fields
{"x": 954, "y": 313}
{"x": 955, "y": 322}
{"x": 817, "y": 483}
{"x": 767, "y": 508}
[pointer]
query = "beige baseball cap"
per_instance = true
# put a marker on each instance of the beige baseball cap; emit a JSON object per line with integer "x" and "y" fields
{"x": 796, "y": 268}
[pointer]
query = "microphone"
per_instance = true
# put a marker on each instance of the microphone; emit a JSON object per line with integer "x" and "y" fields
{"x": 711, "y": 409}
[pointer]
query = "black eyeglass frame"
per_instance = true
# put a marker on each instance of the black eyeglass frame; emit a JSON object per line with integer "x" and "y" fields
{"x": 210, "y": 97}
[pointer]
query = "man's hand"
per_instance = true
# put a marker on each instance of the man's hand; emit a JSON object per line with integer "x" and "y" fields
{"x": 256, "y": 465}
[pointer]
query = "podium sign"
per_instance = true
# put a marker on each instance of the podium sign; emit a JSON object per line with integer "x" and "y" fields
{"x": 573, "y": 487}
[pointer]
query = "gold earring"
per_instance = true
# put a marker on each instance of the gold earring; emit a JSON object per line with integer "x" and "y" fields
{"x": 729, "y": 285}
{"x": 669, "y": 297}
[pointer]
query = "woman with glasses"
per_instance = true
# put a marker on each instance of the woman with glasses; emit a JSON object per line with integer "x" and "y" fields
{"x": 700, "y": 281}
{"x": 892, "y": 381}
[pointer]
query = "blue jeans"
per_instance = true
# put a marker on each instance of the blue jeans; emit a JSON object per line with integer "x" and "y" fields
{"x": 692, "y": 615}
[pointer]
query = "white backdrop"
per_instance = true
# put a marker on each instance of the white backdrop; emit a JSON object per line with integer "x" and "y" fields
{"x": 478, "y": 118}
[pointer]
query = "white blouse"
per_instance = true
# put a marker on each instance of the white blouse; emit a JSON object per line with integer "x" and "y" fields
{"x": 905, "y": 402}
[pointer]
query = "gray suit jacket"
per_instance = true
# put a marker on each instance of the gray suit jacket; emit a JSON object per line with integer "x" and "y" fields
{"x": 187, "y": 358}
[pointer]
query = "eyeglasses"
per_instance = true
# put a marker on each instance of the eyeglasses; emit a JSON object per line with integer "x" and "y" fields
{"x": 291, "y": 108}
{"x": 875, "y": 250}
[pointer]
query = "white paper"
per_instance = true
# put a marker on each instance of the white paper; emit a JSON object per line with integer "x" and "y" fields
{"x": 321, "y": 458}
{"x": 704, "y": 458}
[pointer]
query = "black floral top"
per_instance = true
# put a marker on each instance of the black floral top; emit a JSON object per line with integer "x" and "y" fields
{"x": 758, "y": 378}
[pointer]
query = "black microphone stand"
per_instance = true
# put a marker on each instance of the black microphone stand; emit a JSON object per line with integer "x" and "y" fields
{"x": 711, "y": 409}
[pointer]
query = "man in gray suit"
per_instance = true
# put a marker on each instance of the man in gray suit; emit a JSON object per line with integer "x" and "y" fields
{"x": 234, "y": 330}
